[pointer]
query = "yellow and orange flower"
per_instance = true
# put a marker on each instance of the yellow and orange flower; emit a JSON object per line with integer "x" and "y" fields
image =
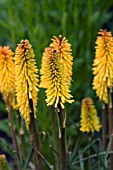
{"x": 89, "y": 119}
{"x": 54, "y": 78}
{"x": 103, "y": 65}
{"x": 65, "y": 52}
{"x": 26, "y": 74}
{"x": 7, "y": 71}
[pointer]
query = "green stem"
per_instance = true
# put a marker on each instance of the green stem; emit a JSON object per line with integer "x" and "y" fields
{"x": 63, "y": 155}
{"x": 89, "y": 152}
{"x": 104, "y": 127}
{"x": 22, "y": 136}
{"x": 54, "y": 136}
{"x": 110, "y": 108}
{"x": 19, "y": 119}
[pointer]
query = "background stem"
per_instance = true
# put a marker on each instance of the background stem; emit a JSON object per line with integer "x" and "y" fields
{"x": 15, "y": 142}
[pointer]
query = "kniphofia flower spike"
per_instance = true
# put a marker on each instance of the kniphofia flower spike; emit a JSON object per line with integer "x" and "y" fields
{"x": 7, "y": 70}
{"x": 89, "y": 119}
{"x": 103, "y": 65}
{"x": 65, "y": 52}
{"x": 26, "y": 79}
{"x": 54, "y": 78}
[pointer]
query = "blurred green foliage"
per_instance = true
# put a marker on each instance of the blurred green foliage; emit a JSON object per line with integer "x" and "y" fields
{"x": 79, "y": 21}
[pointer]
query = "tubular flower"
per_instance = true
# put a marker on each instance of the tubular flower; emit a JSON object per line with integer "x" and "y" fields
{"x": 7, "y": 85}
{"x": 89, "y": 118}
{"x": 103, "y": 65}
{"x": 55, "y": 79}
{"x": 26, "y": 74}
{"x": 64, "y": 49}
{"x": 3, "y": 162}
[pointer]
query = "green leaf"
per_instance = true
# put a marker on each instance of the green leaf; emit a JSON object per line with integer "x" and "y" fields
{"x": 28, "y": 158}
{"x": 107, "y": 150}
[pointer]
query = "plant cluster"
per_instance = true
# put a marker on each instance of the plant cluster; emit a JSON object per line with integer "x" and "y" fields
{"x": 43, "y": 85}
{"x": 19, "y": 85}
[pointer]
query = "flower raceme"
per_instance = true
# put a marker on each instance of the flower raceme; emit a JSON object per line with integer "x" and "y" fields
{"x": 7, "y": 79}
{"x": 65, "y": 52}
{"x": 54, "y": 78}
{"x": 89, "y": 119}
{"x": 26, "y": 74}
{"x": 103, "y": 65}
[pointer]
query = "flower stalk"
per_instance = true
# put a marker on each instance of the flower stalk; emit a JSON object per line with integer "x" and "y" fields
{"x": 54, "y": 135}
{"x": 89, "y": 122}
{"x": 104, "y": 127}
{"x": 34, "y": 136}
{"x": 23, "y": 143}
{"x": 26, "y": 92}
{"x": 14, "y": 138}
{"x": 22, "y": 135}
{"x": 103, "y": 79}
{"x": 7, "y": 88}
{"x": 62, "y": 137}
{"x": 56, "y": 72}
{"x": 110, "y": 120}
